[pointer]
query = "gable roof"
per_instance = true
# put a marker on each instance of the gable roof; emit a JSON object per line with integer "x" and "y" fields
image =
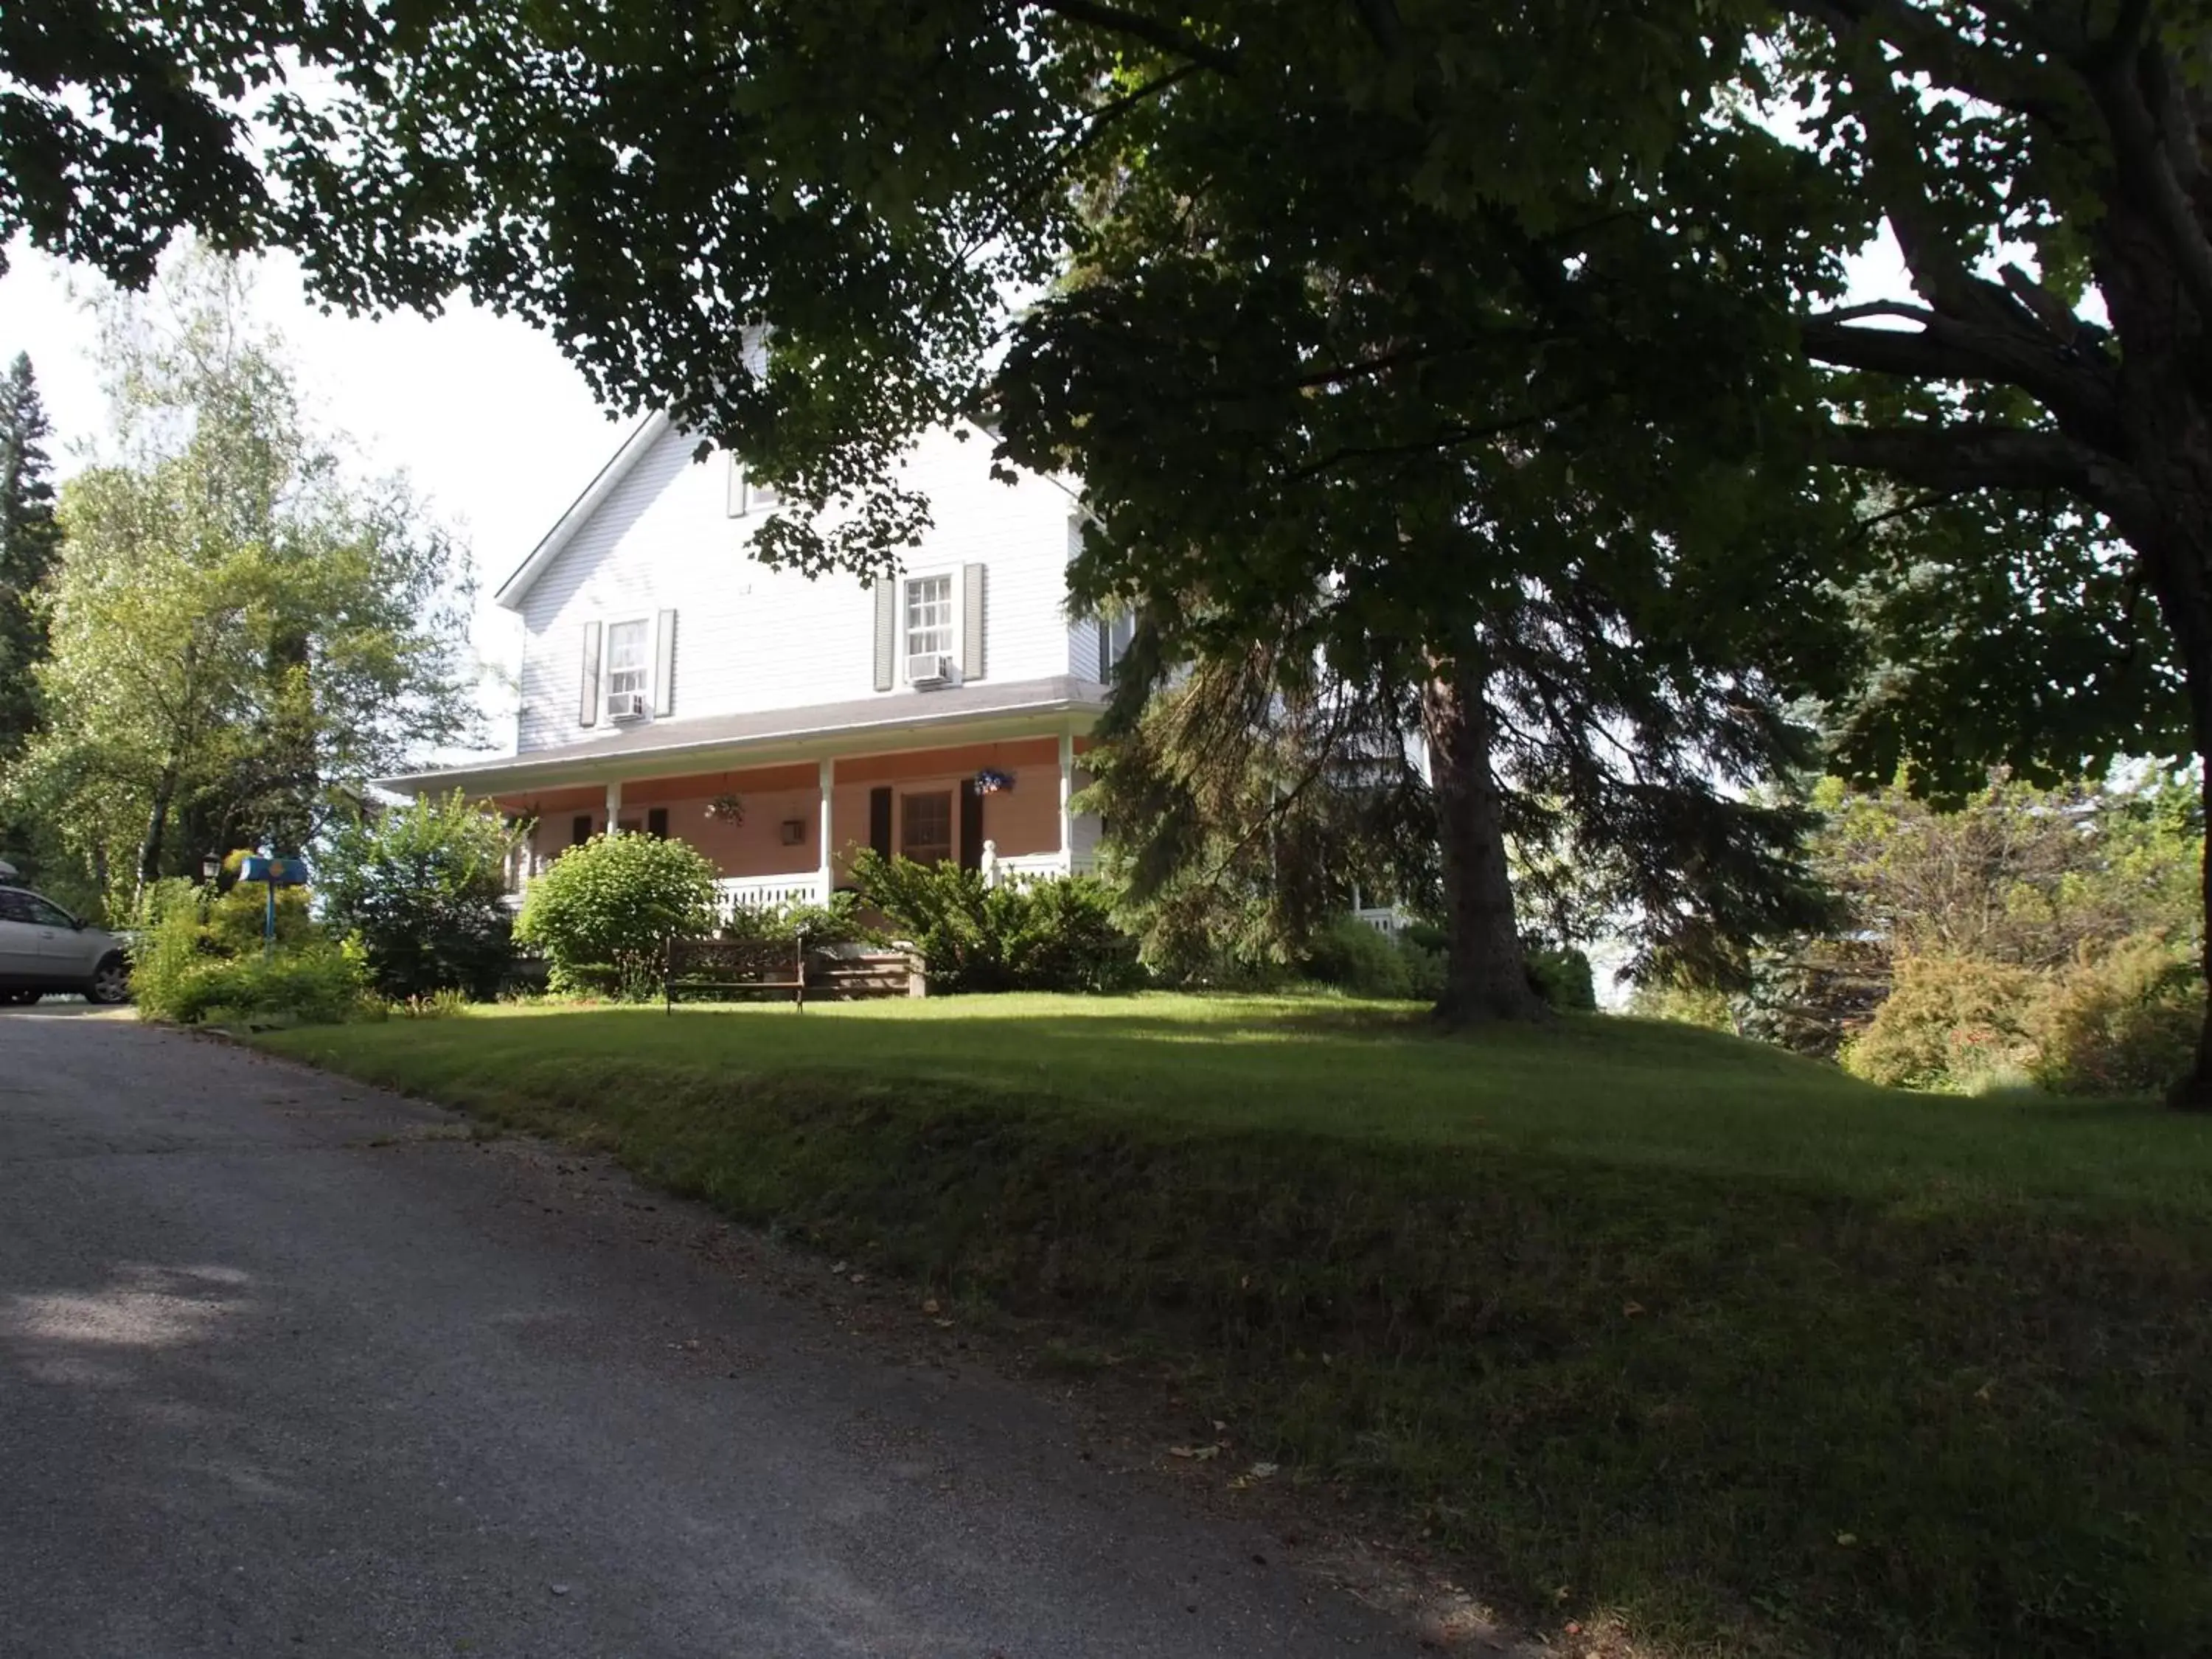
{"x": 513, "y": 590}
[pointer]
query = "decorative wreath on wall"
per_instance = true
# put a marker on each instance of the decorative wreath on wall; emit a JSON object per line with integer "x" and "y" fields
{"x": 992, "y": 782}
{"x": 727, "y": 809}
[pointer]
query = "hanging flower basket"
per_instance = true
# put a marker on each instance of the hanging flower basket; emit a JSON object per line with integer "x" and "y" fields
{"x": 990, "y": 781}
{"x": 727, "y": 809}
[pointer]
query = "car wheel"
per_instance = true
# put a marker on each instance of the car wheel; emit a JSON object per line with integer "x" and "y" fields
{"x": 111, "y": 981}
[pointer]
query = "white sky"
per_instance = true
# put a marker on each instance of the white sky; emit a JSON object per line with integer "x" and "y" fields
{"x": 482, "y": 413}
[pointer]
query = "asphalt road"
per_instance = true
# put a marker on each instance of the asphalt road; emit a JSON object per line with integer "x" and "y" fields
{"x": 287, "y": 1366}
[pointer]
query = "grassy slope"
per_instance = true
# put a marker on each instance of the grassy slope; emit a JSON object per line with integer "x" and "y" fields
{"x": 1759, "y": 1359}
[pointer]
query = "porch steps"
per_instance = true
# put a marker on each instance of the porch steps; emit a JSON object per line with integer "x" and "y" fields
{"x": 851, "y": 977}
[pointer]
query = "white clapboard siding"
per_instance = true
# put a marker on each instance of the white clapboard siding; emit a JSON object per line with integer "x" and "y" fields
{"x": 750, "y": 638}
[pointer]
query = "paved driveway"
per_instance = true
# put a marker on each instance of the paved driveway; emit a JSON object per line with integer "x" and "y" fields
{"x": 287, "y": 1366}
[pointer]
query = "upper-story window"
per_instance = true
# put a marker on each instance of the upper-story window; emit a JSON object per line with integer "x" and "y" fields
{"x": 748, "y": 494}
{"x": 929, "y": 615}
{"x": 629, "y": 665}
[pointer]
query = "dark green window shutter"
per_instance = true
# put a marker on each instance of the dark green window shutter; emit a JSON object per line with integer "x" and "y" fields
{"x": 579, "y": 829}
{"x": 656, "y": 823}
{"x": 879, "y": 819}
{"x": 971, "y": 824}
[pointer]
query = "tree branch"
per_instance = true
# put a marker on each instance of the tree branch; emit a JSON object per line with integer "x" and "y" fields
{"x": 2075, "y": 386}
{"x": 1167, "y": 38}
{"x": 1955, "y": 459}
{"x": 1925, "y": 44}
{"x": 1453, "y": 437}
{"x": 1872, "y": 308}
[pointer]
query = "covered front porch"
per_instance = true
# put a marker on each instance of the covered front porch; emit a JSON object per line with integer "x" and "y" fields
{"x": 789, "y": 833}
{"x": 784, "y": 801}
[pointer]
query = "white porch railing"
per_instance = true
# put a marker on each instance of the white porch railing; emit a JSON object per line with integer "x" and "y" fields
{"x": 770, "y": 892}
{"x": 1027, "y": 869}
{"x": 1383, "y": 918}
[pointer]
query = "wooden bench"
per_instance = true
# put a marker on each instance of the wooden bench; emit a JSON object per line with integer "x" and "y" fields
{"x": 735, "y": 964}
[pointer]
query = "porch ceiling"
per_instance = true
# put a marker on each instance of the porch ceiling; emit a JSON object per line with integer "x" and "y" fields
{"x": 964, "y": 714}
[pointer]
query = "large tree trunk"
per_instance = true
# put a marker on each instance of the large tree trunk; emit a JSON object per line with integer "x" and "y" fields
{"x": 1486, "y": 976}
{"x": 2162, "y": 503}
{"x": 150, "y": 849}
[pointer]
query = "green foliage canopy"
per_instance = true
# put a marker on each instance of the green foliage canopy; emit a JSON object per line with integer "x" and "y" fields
{"x": 240, "y": 639}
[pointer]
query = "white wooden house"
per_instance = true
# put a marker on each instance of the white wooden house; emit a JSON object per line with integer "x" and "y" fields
{"x": 667, "y": 674}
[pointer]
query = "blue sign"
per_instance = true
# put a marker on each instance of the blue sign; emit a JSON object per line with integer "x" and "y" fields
{"x": 277, "y": 872}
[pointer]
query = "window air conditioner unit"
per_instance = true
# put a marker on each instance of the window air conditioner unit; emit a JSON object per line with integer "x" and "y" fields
{"x": 929, "y": 668}
{"x": 626, "y": 706}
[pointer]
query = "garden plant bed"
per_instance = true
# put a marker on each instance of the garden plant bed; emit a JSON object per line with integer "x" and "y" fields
{"x": 1647, "y": 1324}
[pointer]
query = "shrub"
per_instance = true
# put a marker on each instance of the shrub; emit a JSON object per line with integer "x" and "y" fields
{"x": 606, "y": 908}
{"x": 1685, "y": 1004}
{"x": 167, "y": 953}
{"x": 1352, "y": 955}
{"x": 238, "y": 922}
{"x": 189, "y": 964}
{"x": 1412, "y": 964}
{"x": 1055, "y": 936}
{"x": 1563, "y": 978}
{"x": 316, "y": 983}
{"x": 2118, "y": 1019}
{"x": 2123, "y": 1021}
{"x": 1425, "y": 964}
{"x": 423, "y": 888}
{"x": 1948, "y": 1023}
{"x": 837, "y": 923}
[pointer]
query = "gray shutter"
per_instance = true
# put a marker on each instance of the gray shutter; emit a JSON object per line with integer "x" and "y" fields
{"x": 971, "y": 622}
{"x": 1105, "y": 649}
{"x": 587, "y": 708}
{"x": 663, "y": 664}
{"x": 886, "y": 632}
{"x": 737, "y": 485}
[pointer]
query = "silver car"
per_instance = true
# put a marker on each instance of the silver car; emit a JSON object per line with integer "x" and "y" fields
{"x": 44, "y": 948}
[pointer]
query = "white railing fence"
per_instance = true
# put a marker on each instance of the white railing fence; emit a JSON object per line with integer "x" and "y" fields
{"x": 769, "y": 892}
{"x": 1383, "y": 918}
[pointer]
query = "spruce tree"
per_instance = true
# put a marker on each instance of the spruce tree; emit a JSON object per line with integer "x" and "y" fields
{"x": 29, "y": 540}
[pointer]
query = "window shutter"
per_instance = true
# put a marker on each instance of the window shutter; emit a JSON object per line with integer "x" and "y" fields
{"x": 664, "y": 664}
{"x": 736, "y": 477}
{"x": 579, "y": 829}
{"x": 879, "y": 819}
{"x": 656, "y": 823}
{"x": 971, "y": 821}
{"x": 971, "y": 622}
{"x": 1105, "y": 648}
{"x": 887, "y": 597}
{"x": 588, "y": 708}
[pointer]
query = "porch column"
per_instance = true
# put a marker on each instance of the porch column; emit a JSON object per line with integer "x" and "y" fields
{"x": 828, "y": 775}
{"x": 614, "y": 806}
{"x": 1067, "y": 792}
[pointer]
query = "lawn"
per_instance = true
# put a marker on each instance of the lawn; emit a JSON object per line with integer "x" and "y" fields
{"x": 1647, "y": 1322}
